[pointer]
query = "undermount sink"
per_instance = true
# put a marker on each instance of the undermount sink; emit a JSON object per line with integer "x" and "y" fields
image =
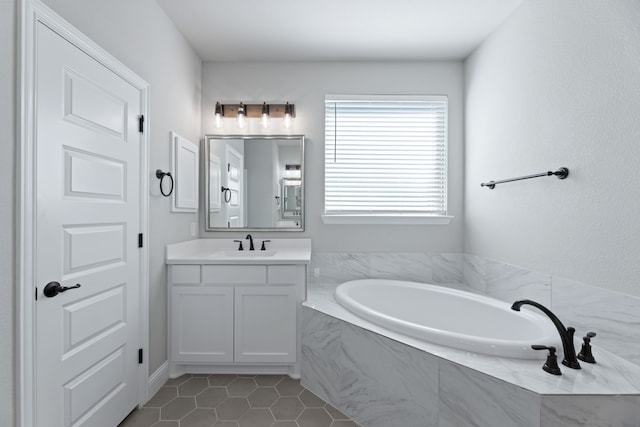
{"x": 248, "y": 254}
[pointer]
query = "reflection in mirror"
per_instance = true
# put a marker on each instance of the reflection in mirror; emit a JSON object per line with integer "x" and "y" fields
{"x": 254, "y": 182}
{"x": 292, "y": 198}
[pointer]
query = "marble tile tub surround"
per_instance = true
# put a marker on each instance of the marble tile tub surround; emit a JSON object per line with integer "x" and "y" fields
{"x": 611, "y": 375}
{"x": 338, "y": 267}
{"x": 379, "y": 381}
{"x": 613, "y": 316}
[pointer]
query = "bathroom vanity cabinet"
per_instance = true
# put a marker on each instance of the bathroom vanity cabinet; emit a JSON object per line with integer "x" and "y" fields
{"x": 239, "y": 317}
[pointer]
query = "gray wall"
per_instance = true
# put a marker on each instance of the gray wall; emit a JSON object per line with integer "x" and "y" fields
{"x": 7, "y": 220}
{"x": 305, "y": 84}
{"x": 558, "y": 85}
{"x": 141, "y": 36}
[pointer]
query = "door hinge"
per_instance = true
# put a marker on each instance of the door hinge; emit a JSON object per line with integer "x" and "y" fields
{"x": 140, "y": 356}
{"x": 141, "y": 124}
{"x": 228, "y": 167}
{"x": 140, "y": 240}
{"x": 36, "y": 293}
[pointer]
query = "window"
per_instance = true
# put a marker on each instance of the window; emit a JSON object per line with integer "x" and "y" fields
{"x": 385, "y": 159}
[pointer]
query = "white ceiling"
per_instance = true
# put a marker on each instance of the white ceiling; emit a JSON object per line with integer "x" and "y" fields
{"x": 324, "y": 30}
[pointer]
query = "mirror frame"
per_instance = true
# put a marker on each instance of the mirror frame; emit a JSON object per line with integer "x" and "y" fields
{"x": 207, "y": 213}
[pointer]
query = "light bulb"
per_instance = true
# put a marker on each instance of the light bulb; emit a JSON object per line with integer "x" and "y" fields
{"x": 264, "y": 118}
{"x": 287, "y": 116}
{"x": 242, "y": 117}
{"x": 218, "y": 115}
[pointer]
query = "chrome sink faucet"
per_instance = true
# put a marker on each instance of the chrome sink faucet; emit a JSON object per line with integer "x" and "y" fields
{"x": 251, "y": 248}
{"x": 566, "y": 334}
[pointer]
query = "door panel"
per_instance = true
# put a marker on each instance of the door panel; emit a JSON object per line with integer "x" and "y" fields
{"x": 90, "y": 176}
{"x": 87, "y": 319}
{"x": 88, "y": 214}
{"x": 104, "y": 379}
{"x": 93, "y": 246}
{"x": 93, "y": 107}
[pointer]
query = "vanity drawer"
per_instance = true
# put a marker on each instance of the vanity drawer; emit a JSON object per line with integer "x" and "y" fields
{"x": 234, "y": 274}
{"x": 181, "y": 274}
{"x": 282, "y": 274}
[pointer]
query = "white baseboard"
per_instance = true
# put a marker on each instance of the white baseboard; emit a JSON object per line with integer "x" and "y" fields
{"x": 157, "y": 379}
{"x": 176, "y": 369}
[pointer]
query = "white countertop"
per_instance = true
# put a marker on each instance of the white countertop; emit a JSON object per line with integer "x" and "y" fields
{"x": 225, "y": 251}
{"x": 610, "y": 375}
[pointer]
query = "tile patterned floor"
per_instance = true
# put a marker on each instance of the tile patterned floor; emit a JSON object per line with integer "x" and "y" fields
{"x": 236, "y": 401}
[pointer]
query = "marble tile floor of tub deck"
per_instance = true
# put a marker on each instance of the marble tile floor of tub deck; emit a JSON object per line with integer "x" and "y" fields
{"x": 236, "y": 401}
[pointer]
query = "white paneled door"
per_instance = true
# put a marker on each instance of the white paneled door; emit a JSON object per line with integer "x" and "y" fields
{"x": 88, "y": 216}
{"x": 235, "y": 182}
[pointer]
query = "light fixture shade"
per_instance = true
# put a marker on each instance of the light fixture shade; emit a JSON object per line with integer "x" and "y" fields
{"x": 219, "y": 113}
{"x": 242, "y": 116}
{"x": 264, "y": 117}
{"x": 288, "y": 120}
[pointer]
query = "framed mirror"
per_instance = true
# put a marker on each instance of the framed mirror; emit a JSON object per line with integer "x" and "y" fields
{"x": 254, "y": 182}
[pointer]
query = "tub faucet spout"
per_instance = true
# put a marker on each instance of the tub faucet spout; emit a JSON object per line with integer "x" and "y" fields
{"x": 566, "y": 334}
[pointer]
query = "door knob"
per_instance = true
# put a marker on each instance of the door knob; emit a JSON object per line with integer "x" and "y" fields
{"x": 54, "y": 288}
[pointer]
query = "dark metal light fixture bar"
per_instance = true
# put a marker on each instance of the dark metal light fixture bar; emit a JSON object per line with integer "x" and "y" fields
{"x": 254, "y": 111}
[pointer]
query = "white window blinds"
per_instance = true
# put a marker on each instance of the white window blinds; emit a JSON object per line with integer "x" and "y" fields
{"x": 386, "y": 155}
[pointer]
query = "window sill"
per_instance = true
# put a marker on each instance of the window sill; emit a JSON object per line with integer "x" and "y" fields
{"x": 387, "y": 219}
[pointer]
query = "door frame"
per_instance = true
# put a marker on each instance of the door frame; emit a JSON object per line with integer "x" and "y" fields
{"x": 32, "y": 12}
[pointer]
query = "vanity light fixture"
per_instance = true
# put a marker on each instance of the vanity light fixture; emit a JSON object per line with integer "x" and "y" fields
{"x": 242, "y": 116}
{"x": 292, "y": 171}
{"x": 264, "y": 112}
{"x": 288, "y": 110}
{"x": 264, "y": 118}
{"x": 219, "y": 114}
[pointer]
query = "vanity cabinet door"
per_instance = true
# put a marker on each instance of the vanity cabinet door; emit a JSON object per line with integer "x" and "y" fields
{"x": 202, "y": 324}
{"x": 265, "y": 324}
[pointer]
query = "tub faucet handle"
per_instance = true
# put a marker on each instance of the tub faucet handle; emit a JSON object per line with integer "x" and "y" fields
{"x": 551, "y": 365}
{"x": 585, "y": 354}
{"x": 263, "y": 247}
{"x": 240, "y": 248}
